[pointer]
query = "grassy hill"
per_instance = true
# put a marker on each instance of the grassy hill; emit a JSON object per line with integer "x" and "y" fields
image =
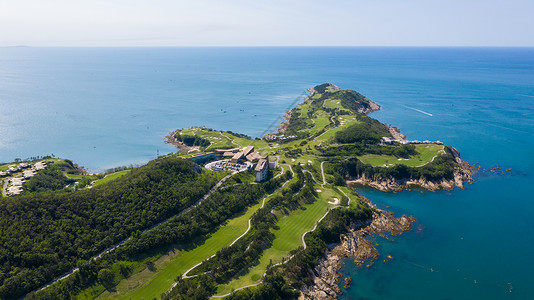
{"x": 235, "y": 236}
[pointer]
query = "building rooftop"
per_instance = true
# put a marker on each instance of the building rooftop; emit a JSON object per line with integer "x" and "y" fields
{"x": 254, "y": 156}
{"x": 247, "y": 150}
{"x": 237, "y": 156}
{"x": 232, "y": 150}
{"x": 201, "y": 154}
{"x": 262, "y": 164}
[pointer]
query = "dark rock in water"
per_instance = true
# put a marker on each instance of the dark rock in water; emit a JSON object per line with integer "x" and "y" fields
{"x": 347, "y": 282}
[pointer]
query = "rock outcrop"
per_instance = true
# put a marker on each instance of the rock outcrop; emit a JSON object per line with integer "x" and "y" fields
{"x": 372, "y": 107}
{"x": 396, "y": 134}
{"x": 326, "y": 275}
{"x": 461, "y": 174}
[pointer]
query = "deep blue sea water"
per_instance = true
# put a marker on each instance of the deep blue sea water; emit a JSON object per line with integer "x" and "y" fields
{"x": 106, "y": 107}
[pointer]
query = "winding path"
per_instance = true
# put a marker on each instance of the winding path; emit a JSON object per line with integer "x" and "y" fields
{"x": 185, "y": 276}
{"x": 115, "y": 246}
{"x": 322, "y": 173}
{"x": 4, "y": 189}
{"x": 231, "y": 140}
{"x": 303, "y": 236}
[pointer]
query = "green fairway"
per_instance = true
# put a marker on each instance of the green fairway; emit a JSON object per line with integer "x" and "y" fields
{"x": 147, "y": 284}
{"x": 426, "y": 152}
{"x": 224, "y": 140}
{"x": 334, "y": 103}
{"x": 322, "y": 119}
{"x": 110, "y": 177}
{"x": 242, "y": 142}
{"x": 287, "y": 238}
{"x": 319, "y": 142}
{"x": 331, "y": 132}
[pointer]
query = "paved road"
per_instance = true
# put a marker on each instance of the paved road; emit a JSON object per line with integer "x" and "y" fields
{"x": 303, "y": 235}
{"x": 4, "y": 189}
{"x": 322, "y": 172}
{"x": 185, "y": 276}
{"x": 113, "y": 247}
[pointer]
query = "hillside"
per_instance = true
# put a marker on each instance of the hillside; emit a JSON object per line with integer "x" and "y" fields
{"x": 239, "y": 234}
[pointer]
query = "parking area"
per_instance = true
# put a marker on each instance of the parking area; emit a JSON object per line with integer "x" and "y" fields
{"x": 227, "y": 165}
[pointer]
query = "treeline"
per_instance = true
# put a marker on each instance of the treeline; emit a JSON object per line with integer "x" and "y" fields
{"x": 441, "y": 168}
{"x": 241, "y": 256}
{"x": 353, "y": 100}
{"x": 348, "y": 99}
{"x": 366, "y": 131}
{"x": 297, "y": 123}
{"x": 192, "y": 140}
{"x": 321, "y": 88}
{"x": 197, "y": 223}
{"x": 46, "y": 234}
{"x": 358, "y": 149}
{"x": 240, "y": 135}
{"x": 188, "y": 230}
{"x": 245, "y": 253}
{"x": 51, "y": 178}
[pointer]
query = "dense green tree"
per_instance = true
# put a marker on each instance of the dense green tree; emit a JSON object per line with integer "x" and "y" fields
{"x": 106, "y": 277}
{"x": 45, "y": 234}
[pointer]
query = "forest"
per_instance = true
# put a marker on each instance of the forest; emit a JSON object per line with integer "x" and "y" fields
{"x": 244, "y": 254}
{"x": 188, "y": 230}
{"x": 51, "y": 178}
{"x": 46, "y": 234}
{"x": 192, "y": 140}
{"x": 50, "y": 230}
{"x": 280, "y": 282}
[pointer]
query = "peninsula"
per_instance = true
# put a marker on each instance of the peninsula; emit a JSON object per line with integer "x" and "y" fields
{"x": 228, "y": 215}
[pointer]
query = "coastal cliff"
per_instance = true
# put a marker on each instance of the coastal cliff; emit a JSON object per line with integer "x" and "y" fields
{"x": 332, "y": 126}
{"x": 369, "y": 107}
{"x": 462, "y": 173}
{"x": 325, "y": 276}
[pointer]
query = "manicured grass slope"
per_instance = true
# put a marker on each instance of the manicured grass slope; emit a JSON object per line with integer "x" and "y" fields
{"x": 110, "y": 177}
{"x": 287, "y": 238}
{"x": 151, "y": 284}
{"x": 426, "y": 152}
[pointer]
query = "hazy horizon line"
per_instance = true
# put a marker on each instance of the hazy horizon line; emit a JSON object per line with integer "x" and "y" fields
{"x": 266, "y": 46}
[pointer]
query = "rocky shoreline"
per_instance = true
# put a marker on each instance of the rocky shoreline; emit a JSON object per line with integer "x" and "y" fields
{"x": 287, "y": 116}
{"x": 326, "y": 276}
{"x": 172, "y": 140}
{"x": 462, "y": 173}
{"x": 373, "y": 106}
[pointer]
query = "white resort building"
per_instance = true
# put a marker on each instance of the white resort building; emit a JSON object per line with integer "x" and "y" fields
{"x": 262, "y": 169}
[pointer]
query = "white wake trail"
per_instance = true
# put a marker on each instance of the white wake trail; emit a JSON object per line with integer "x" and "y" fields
{"x": 423, "y": 112}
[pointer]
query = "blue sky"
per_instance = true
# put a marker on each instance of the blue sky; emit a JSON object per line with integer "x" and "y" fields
{"x": 267, "y": 23}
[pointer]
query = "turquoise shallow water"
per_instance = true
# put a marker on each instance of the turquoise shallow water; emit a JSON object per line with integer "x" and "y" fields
{"x": 104, "y": 107}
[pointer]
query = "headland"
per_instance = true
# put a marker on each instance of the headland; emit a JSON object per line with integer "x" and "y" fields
{"x": 255, "y": 212}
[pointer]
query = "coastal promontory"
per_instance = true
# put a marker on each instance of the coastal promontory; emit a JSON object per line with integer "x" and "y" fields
{"x": 228, "y": 215}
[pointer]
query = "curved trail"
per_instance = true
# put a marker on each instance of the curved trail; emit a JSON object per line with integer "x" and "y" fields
{"x": 4, "y": 189}
{"x": 322, "y": 173}
{"x": 231, "y": 140}
{"x": 116, "y": 245}
{"x": 185, "y": 276}
{"x": 440, "y": 152}
{"x": 303, "y": 236}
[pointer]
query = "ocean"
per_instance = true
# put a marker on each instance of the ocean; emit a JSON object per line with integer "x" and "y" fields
{"x": 108, "y": 107}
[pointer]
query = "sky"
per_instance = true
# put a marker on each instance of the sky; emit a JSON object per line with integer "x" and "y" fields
{"x": 267, "y": 23}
